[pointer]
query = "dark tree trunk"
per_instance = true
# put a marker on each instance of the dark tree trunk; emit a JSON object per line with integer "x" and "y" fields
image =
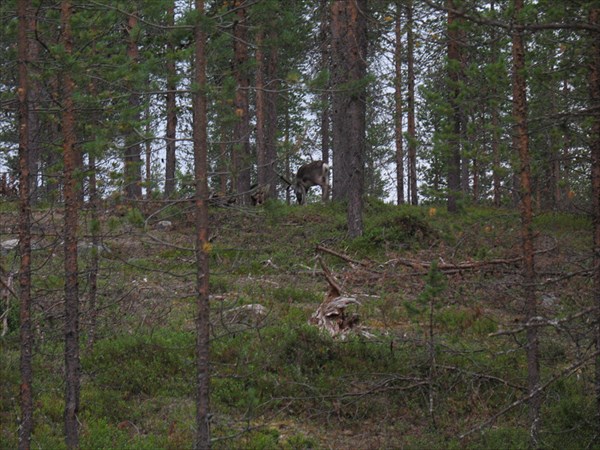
{"x": 133, "y": 158}
{"x": 495, "y": 144}
{"x": 412, "y": 133}
{"x": 171, "y": 105}
{"x": 349, "y": 55}
{"x": 594, "y": 80}
{"x": 71, "y": 200}
{"x": 261, "y": 109}
{"x": 271, "y": 114}
{"x": 94, "y": 204}
{"x": 398, "y": 103}
{"x": 242, "y": 157}
{"x": 454, "y": 157}
{"x": 202, "y": 438}
{"x": 33, "y": 97}
{"x": 325, "y": 95}
{"x": 26, "y": 335}
{"x": 521, "y": 145}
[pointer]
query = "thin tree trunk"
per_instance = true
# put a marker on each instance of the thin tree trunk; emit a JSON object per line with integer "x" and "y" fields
{"x": 454, "y": 157}
{"x": 33, "y": 95}
{"x": 398, "y": 103}
{"x": 171, "y": 105}
{"x": 202, "y": 439}
{"x": 521, "y": 144}
{"x": 495, "y": 123}
{"x": 26, "y": 335}
{"x": 594, "y": 80}
{"x": 95, "y": 220}
{"x": 412, "y": 130}
{"x": 325, "y": 95}
{"x": 271, "y": 115}
{"x": 261, "y": 107}
{"x": 242, "y": 160}
{"x": 133, "y": 159}
{"x": 148, "y": 154}
{"x": 71, "y": 199}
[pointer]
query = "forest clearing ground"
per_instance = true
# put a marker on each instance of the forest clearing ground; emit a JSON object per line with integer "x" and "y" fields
{"x": 277, "y": 381}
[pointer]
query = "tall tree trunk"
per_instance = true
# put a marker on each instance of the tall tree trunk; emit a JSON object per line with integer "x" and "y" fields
{"x": 349, "y": 55}
{"x": 94, "y": 204}
{"x": 325, "y": 41}
{"x": 171, "y": 105}
{"x": 33, "y": 97}
{"x": 454, "y": 61}
{"x": 398, "y": 104}
{"x": 242, "y": 158}
{"x": 133, "y": 158}
{"x": 261, "y": 109}
{"x": 271, "y": 113}
{"x": 26, "y": 335}
{"x": 594, "y": 81}
{"x": 521, "y": 145}
{"x": 71, "y": 200}
{"x": 495, "y": 118}
{"x": 412, "y": 130}
{"x": 202, "y": 439}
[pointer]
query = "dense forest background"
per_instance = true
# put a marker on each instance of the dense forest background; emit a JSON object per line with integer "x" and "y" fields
{"x": 464, "y": 224}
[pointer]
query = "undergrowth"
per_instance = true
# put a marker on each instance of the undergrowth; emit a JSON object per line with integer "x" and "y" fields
{"x": 430, "y": 364}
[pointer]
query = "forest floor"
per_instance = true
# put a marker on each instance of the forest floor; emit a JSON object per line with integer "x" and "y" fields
{"x": 436, "y": 358}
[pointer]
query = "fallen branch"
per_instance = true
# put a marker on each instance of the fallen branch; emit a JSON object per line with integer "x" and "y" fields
{"x": 346, "y": 258}
{"x": 537, "y": 322}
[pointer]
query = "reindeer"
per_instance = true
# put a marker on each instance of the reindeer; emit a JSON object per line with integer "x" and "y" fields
{"x": 312, "y": 174}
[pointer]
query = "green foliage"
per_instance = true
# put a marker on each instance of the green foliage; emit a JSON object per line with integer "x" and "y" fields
{"x": 141, "y": 364}
{"x": 135, "y": 217}
{"x": 100, "y": 435}
{"x": 393, "y": 227}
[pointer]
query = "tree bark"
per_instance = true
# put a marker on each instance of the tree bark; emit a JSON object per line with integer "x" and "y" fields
{"x": 454, "y": 154}
{"x": 271, "y": 115}
{"x": 325, "y": 95}
{"x": 34, "y": 89}
{"x": 133, "y": 158}
{"x": 71, "y": 200}
{"x": 261, "y": 109}
{"x": 171, "y": 105}
{"x": 521, "y": 145}
{"x": 202, "y": 438}
{"x": 398, "y": 104}
{"x": 495, "y": 144}
{"x": 242, "y": 158}
{"x": 349, "y": 55}
{"x": 26, "y": 335}
{"x": 594, "y": 81}
{"x": 412, "y": 133}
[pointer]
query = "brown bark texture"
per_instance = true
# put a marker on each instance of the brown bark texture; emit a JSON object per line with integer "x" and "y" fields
{"x": 594, "y": 81}
{"x": 412, "y": 133}
{"x": 398, "y": 134}
{"x": 521, "y": 145}
{"x": 242, "y": 157}
{"x": 349, "y": 69}
{"x": 26, "y": 334}
{"x": 454, "y": 157}
{"x": 71, "y": 201}
{"x": 171, "y": 131}
{"x": 202, "y": 438}
{"x": 133, "y": 150}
